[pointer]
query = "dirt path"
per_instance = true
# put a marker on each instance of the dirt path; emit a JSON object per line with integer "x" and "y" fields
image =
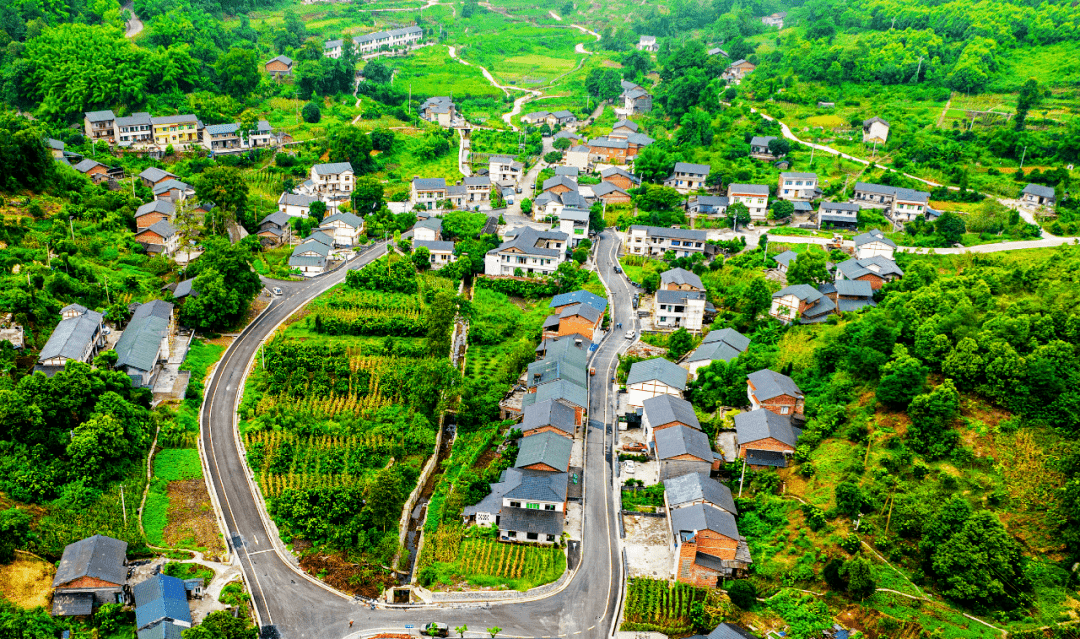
{"x": 941, "y": 118}
{"x": 134, "y": 25}
{"x": 554, "y": 15}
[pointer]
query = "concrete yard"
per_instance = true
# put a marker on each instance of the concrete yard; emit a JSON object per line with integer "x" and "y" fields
{"x": 648, "y": 551}
{"x": 725, "y": 443}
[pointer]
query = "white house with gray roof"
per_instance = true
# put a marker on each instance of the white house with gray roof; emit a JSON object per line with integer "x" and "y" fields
{"x": 440, "y": 252}
{"x": 77, "y": 337}
{"x": 527, "y": 249}
{"x": 724, "y": 344}
{"x": 1035, "y": 195}
{"x": 503, "y": 168}
{"x": 295, "y": 205}
{"x": 345, "y": 228}
{"x": 797, "y": 186}
{"x": 440, "y": 110}
{"x": 754, "y": 196}
{"x": 391, "y": 39}
{"x": 134, "y": 130}
{"x": 838, "y": 215}
{"x": 653, "y": 377}
{"x": 657, "y": 240}
{"x": 667, "y": 411}
{"x": 333, "y": 48}
{"x": 310, "y": 258}
{"x": 144, "y": 344}
{"x": 900, "y": 204}
{"x": 477, "y": 191}
{"x": 680, "y": 308}
{"x": 100, "y": 125}
{"x": 687, "y": 177}
{"x": 334, "y": 180}
{"x": 222, "y": 138}
{"x": 707, "y": 205}
{"x": 873, "y": 244}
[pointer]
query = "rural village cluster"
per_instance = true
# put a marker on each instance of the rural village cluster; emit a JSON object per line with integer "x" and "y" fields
{"x": 577, "y": 396}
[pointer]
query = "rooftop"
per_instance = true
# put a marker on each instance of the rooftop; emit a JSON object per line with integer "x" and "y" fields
{"x": 769, "y": 384}
{"x": 761, "y": 424}
{"x": 658, "y": 369}
{"x": 667, "y": 409}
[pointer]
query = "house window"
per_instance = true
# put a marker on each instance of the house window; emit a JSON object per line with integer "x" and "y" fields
{"x": 515, "y": 504}
{"x": 784, "y": 410}
{"x": 533, "y": 506}
{"x": 549, "y": 506}
{"x": 551, "y": 537}
{"x": 532, "y": 536}
{"x": 511, "y": 534}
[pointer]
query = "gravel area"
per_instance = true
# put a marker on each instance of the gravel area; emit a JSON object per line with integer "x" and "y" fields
{"x": 648, "y": 549}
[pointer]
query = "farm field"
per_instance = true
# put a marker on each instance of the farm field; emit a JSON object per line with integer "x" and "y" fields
{"x": 658, "y": 606}
{"x": 483, "y": 561}
{"x": 431, "y": 71}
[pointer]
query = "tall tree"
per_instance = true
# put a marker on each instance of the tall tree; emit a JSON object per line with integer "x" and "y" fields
{"x": 228, "y": 190}
{"x": 809, "y": 267}
{"x": 350, "y": 144}
{"x": 238, "y": 72}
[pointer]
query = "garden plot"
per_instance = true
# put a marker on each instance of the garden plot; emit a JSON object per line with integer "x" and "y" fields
{"x": 647, "y": 544}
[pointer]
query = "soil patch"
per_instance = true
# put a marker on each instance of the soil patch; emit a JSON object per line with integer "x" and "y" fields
{"x": 485, "y": 458}
{"x": 191, "y": 518}
{"x": 337, "y": 571}
{"x": 27, "y": 581}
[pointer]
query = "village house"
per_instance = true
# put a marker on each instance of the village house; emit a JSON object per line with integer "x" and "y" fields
{"x": 731, "y": 631}
{"x": 222, "y": 138}
{"x": 635, "y": 99}
{"x": 838, "y": 215}
{"x": 503, "y": 168}
{"x": 724, "y": 345}
{"x": 279, "y": 67}
{"x": 91, "y": 572}
{"x": 153, "y": 176}
{"x": 575, "y": 223}
{"x": 608, "y": 150}
{"x": 440, "y": 252}
{"x": 159, "y": 237}
{"x": 563, "y": 390}
{"x": 428, "y": 230}
{"x": 77, "y": 337}
{"x": 798, "y": 186}
{"x": 180, "y": 131}
{"x": 92, "y": 169}
{"x": 333, "y": 48}
{"x": 774, "y": 20}
{"x": 655, "y": 240}
{"x": 578, "y": 156}
{"x": 275, "y": 229}
{"x": 153, "y": 212}
{"x": 849, "y": 296}
{"x": 295, "y": 205}
{"x": 161, "y": 599}
{"x": 559, "y": 184}
{"x": 571, "y": 172}
{"x": 680, "y": 301}
{"x": 135, "y": 129}
{"x": 576, "y": 319}
{"x": 428, "y": 192}
{"x": 478, "y": 191}
{"x": 392, "y": 39}
{"x": 754, "y": 196}
{"x": 333, "y": 180}
{"x": 440, "y": 110}
{"x": 759, "y": 147}
{"x": 609, "y": 193}
{"x": 100, "y": 126}
{"x": 548, "y": 452}
{"x": 784, "y": 260}
{"x": 262, "y": 135}
{"x": 620, "y": 178}
{"x": 681, "y": 450}
{"x": 802, "y": 302}
{"x": 765, "y": 438}
{"x": 310, "y": 258}
{"x": 652, "y": 378}
{"x": 565, "y": 300}
{"x": 556, "y": 344}
{"x": 623, "y": 128}
{"x": 537, "y": 517}
{"x": 485, "y": 513}
{"x": 568, "y": 365}
{"x": 345, "y": 228}
{"x": 692, "y": 489}
{"x": 648, "y": 43}
{"x": 549, "y": 416}
{"x": 877, "y": 270}
{"x": 901, "y": 205}
{"x": 775, "y": 392}
{"x": 1035, "y": 195}
{"x": 144, "y": 344}
{"x": 736, "y": 71}
{"x": 535, "y": 118}
{"x": 875, "y": 131}
{"x": 527, "y": 250}
{"x": 707, "y": 205}
{"x": 551, "y": 204}
{"x": 173, "y": 190}
{"x": 708, "y": 546}
{"x": 873, "y": 244}
{"x": 688, "y": 177}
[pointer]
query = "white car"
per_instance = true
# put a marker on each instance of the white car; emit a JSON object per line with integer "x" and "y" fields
{"x": 628, "y": 465}
{"x": 630, "y": 334}
{"x": 277, "y": 290}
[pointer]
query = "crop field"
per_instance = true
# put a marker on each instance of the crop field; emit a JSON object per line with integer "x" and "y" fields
{"x": 655, "y": 605}
{"x": 431, "y": 71}
{"x": 484, "y": 561}
{"x": 519, "y": 54}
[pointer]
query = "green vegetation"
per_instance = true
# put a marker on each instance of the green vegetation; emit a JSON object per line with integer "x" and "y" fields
{"x": 483, "y": 561}
{"x": 646, "y": 501}
{"x": 658, "y": 606}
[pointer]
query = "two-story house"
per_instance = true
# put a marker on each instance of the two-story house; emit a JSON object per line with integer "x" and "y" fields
{"x": 144, "y": 345}
{"x": 180, "y": 131}
{"x": 849, "y": 296}
{"x": 608, "y": 150}
{"x": 654, "y": 377}
{"x": 503, "y": 168}
{"x": 877, "y": 270}
{"x": 608, "y": 193}
{"x": 527, "y": 250}
{"x": 428, "y": 192}
{"x": 333, "y": 48}
{"x": 902, "y": 205}
{"x": 262, "y": 135}
{"x": 311, "y": 258}
{"x": 688, "y": 177}
{"x": 635, "y": 98}
{"x": 295, "y": 205}
{"x": 838, "y": 215}
{"x": 548, "y": 452}
{"x": 655, "y": 240}
{"x": 345, "y": 228}
{"x": 579, "y": 156}
{"x": 279, "y": 66}
{"x": 159, "y": 237}
{"x": 428, "y": 230}
{"x": 392, "y": 39}
{"x": 136, "y": 129}
{"x": 620, "y": 177}
{"x": 549, "y": 416}
{"x": 559, "y": 184}
{"x": 173, "y": 190}
{"x": 692, "y": 489}
{"x": 648, "y": 43}
{"x": 222, "y": 138}
{"x": 477, "y": 191}
{"x": 153, "y": 176}
{"x": 1036, "y": 195}
{"x": 798, "y": 186}
{"x": 707, "y": 547}
{"x": 334, "y": 180}
{"x": 153, "y": 212}
{"x": 875, "y": 131}
{"x": 440, "y": 110}
{"x": 576, "y": 319}
{"x": 100, "y": 126}
{"x": 680, "y": 301}
{"x": 440, "y": 252}
{"x": 754, "y": 196}
{"x": 725, "y": 345}
{"x": 77, "y": 337}
{"x": 775, "y": 19}
{"x": 802, "y": 302}
{"x": 275, "y": 229}
{"x": 707, "y": 205}
{"x": 873, "y": 243}
{"x": 575, "y": 223}
{"x": 765, "y": 438}
{"x": 774, "y": 392}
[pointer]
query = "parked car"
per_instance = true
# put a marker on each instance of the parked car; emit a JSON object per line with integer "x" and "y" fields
{"x": 277, "y": 290}
{"x": 628, "y": 465}
{"x": 618, "y": 270}
{"x": 630, "y": 334}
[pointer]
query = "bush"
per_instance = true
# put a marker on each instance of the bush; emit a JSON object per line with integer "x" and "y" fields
{"x": 743, "y": 594}
{"x": 311, "y": 113}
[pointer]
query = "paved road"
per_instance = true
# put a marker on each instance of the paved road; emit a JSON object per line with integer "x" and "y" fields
{"x": 134, "y": 25}
{"x": 300, "y": 608}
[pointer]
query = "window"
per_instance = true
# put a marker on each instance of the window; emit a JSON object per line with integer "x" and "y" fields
{"x": 532, "y": 536}
{"x": 549, "y": 507}
{"x": 551, "y": 537}
{"x": 515, "y": 504}
{"x": 532, "y": 506}
{"x": 784, "y": 410}
{"x": 511, "y": 534}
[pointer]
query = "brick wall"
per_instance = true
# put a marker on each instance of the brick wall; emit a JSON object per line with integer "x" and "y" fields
{"x": 546, "y": 429}
{"x": 708, "y": 542}
{"x": 89, "y": 582}
{"x": 150, "y": 219}
{"x": 558, "y": 188}
{"x": 576, "y": 324}
{"x": 876, "y": 281}
{"x": 765, "y": 444}
{"x": 621, "y": 181}
{"x": 544, "y": 467}
{"x": 777, "y": 405}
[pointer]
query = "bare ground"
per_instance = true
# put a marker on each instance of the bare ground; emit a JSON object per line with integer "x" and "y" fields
{"x": 191, "y": 518}
{"x": 353, "y": 578}
{"x": 27, "y": 581}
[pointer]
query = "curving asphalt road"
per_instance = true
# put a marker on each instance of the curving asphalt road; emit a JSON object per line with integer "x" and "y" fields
{"x": 297, "y": 606}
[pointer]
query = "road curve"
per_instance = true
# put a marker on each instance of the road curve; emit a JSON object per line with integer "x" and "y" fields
{"x": 134, "y": 25}
{"x": 300, "y": 608}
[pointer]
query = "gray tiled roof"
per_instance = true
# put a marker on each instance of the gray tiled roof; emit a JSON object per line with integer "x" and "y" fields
{"x": 566, "y": 348}
{"x": 221, "y": 129}
{"x": 551, "y": 369}
{"x": 350, "y": 219}
{"x": 155, "y": 174}
{"x": 544, "y": 448}
{"x": 71, "y": 336}
{"x": 803, "y": 292}
{"x": 769, "y": 384}
{"x": 157, "y": 206}
{"x": 321, "y": 238}
{"x": 312, "y": 246}
{"x": 579, "y": 297}
{"x": 558, "y": 180}
{"x": 286, "y": 60}
{"x": 605, "y": 142}
{"x": 867, "y": 123}
{"x": 725, "y": 344}
{"x": 163, "y": 630}
{"x": 298, "y": 261}
{"x": 696, "y": 486}
{"x": 72, "y": 604}
{"x": 748, "y": 189}
{"x": 882, "y": 266}
{"x": 293, "y": 199}
{"x": 854, "y": 288}
{"x": 1040, "y": 190}
{"x": 681, "y": 276}
{"x": 604, "y": 188}
{"x": 160, "y": 597}
{"x": 894, "y": 191}
{"x": 435, "y": 246}
{"x": 664, "y": 296}
{"x": 678, "y": 234}
{"x": 140, "y": 343}
{"x": 540, "y": 485}
{"x": 562, "y": 389}
{"x": 162, "y": 228}
{"x": 761, "y": 424}
{"x": 786, "y": 258}
{"x": 277, "y": 218}
{"x": 169, "y": 185}
{"x": 729, "y": 631}
{"x": 100, "y": 116}
{"x": 709, "y": 201}
{"x": 99, "y": 557}
{"x": 658, "y": 369}
{"x": 564, "y": 114}
{"x": 588, "y": 311}
{"x": 549, "y": 413}
{"x": 332, "y": 168}
{"x": 733, "y": 337}
{"x": 682, "y": 440}
{"x": 794, "y": 175}
{"x": 476, "y": 180}
{"x": 757, "y": 457}
{"x": 543, "y": 522}
{"x": 630, "y": 124}
{"x": 840, "y": 206}
{"x": 492, "y": 503}
{"x": 873, "y": 236}
{"x": 526, "y": 239}
{"x": 695, "y": 169}
{"x": 665, "y": 409}
{"x": 568, "y": 171}
{"x": 612, "y": 171}
{"x": 176, "y": 119}
{"x": 184, "y": 288}
{"x": 78, "y": 308}
{"x": 761, "y": 140}
{"x": 704, "y": 517}
{"x": 332, "y": 44}
{"x": 86, "y": 165}
{"x": 639, "y": 139}
{"x": 429, "y": 184}
{"x": 851, "y": 306}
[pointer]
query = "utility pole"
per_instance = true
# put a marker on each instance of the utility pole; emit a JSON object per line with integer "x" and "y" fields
{"x": 71, "y": 225}
{"x": 919, "y": 70}
{"x": 765, "y": 258}
{"x": 743, "y": 476}
{"x": 123, "y": 504}
{"x": 107, "y": 290}
{"x": 1022, "y": 156}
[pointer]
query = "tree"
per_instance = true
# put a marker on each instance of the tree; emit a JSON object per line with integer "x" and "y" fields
{"x": 238, "y": 72}
{"x": 97, "y": 450}
{"x": 580, "y": 255}
{"x": 603, "y": 83}
{"x": 249, "y": 119}
{"x": 809, "y": 267}
{"x": 222, "y": 625}
{"x": 982, "y": 564}
{"x": 931, "y": 415}
{"x": 902, "y": 379}
{"x": 679, "y": 343}
{"x": 382, "y": 139}
{"x": 950, "y": 227}
{"x": 742, "y": 593}
{"x": 695, "y": 128}
{"x": 849, "y": 498}
{"x": 1030, "y": 96}
{"x": 226, "y": 285}
{"x": 226, "y": 187}
{"x": 14, "y": 532}
{"x": 526, "y": 206}
{"x": 494, "y": 631}
{"x": 109, "y": 617}
{"x": 740, "y": 213}
{"x": 720, "y": 384}
{"x": 311, "y": 113}
{"x": 757, "y": 300}
{"x": 367, "y": 195}
{"x": 461, "y": 630}
{"x": 376, "y": 72}
{"x": 349, "y": 144}
{"x": 421, "y": 258}
{"x": 317, "y": 210}
{"x": 469, "y": 8}
{"x": 782, "y": 210}
{"x": 561, "y": 144}
{"x": 860, "y": 581}
{"x": 779, "y": 147}
{"x": 463, "y": 225}
{"x": 551, "y": 157}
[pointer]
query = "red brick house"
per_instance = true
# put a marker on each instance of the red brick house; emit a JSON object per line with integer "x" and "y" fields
{"x": 773, "y": 391}
{"x": 765, "y": 438}
{"x": 620, "y": 178}
{"x": 708, "y": 546}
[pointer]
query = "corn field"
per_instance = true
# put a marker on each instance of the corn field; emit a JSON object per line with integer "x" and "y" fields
{"x": 266, "y": 181}
{"x": 274, "y": 485}
{"x": 653, "y": 604}
{"x": 512, "y": 561}
{"x": 327, "y": 407}
{"x": 284, "y": 460}
{"x": 346, "y": 298}
{"x": 178, "y": 440}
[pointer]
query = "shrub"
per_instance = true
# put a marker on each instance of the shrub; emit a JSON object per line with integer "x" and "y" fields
{"x": 743, "y": 593}
{"x": 311, "y": 113}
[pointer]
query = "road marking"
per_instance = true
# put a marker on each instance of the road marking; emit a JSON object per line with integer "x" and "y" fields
{"x": 259, "y": 552}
